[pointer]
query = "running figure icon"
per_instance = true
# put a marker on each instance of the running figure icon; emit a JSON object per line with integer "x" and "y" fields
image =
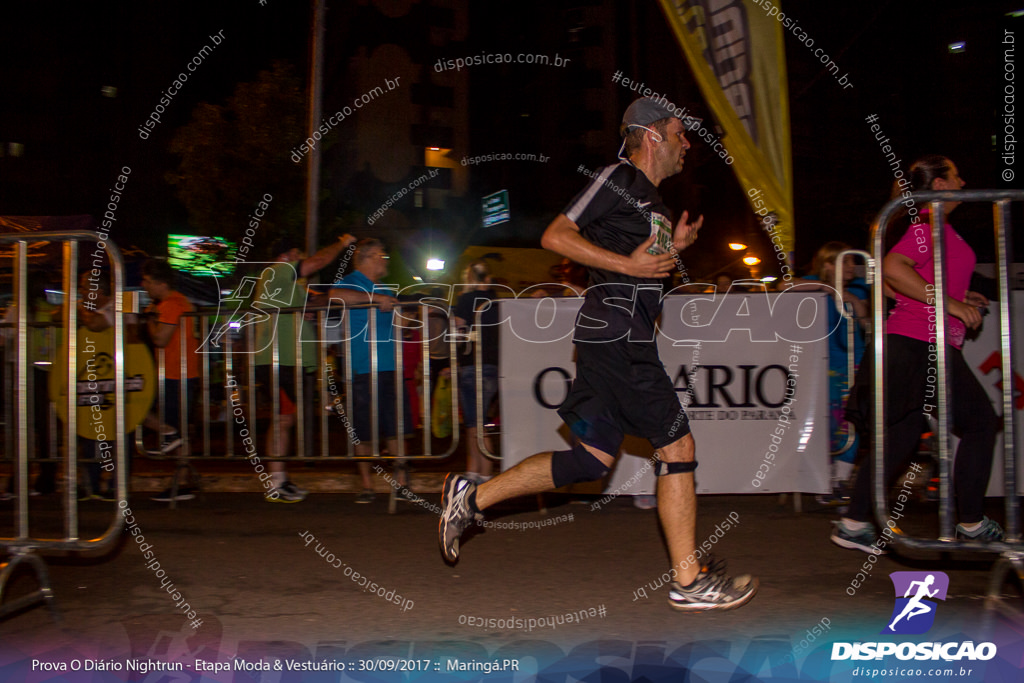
{"x": 915, "y": 607}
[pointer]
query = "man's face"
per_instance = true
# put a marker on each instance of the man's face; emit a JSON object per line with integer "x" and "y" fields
{"x": 154, "y": 288}
{"x": 670, "y": 151}
{"x": 375, "y": 264}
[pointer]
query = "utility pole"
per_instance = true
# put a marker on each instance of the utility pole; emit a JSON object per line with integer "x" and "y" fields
{"x": 316, "y": 73}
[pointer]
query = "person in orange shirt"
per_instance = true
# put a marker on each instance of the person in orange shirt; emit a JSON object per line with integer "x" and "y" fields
{"x": 164, "y": 325}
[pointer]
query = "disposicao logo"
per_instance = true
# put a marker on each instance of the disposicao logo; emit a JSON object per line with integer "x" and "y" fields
{"x": 916, "y": 593}
{"x": 914, "y": 613}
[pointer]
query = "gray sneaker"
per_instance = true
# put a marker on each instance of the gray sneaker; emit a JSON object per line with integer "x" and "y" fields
{"x": 712, "y": 591}
{"x": 456, "y": 514}
{"x": 988, "y": 531}
{"x": 864, "y": 540}
{"x": 165, "y": 496}
{"x": 403, "y": 493}
{"x": 286, "y": 493}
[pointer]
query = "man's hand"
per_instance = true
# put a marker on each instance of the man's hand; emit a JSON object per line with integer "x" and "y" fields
{"x": 347, "y": 240}
{"x": 685, "y": 233}
{"x": 386, "y": 303}
{"x": 642, "y": 264}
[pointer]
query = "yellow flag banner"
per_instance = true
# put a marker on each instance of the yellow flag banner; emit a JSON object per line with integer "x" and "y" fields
{"x": 736, "y": 53}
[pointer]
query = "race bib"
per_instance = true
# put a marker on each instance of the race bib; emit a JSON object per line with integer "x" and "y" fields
{"x": 661, "y": 231}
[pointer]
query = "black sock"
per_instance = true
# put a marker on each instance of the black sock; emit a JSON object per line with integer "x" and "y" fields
{"x": 471, "y": 501}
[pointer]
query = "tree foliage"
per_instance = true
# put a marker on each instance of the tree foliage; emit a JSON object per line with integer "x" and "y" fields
{"x": 234, "y": 154}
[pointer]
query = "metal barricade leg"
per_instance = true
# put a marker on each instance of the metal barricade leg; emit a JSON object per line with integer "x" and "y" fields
{"x": 995, "y": 606}
{"x": 44, "y": 592}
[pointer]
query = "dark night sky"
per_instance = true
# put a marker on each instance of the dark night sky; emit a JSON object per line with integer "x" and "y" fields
{"x": 56, "y": 57}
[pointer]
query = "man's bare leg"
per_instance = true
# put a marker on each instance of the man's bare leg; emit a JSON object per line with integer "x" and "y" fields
{"x": 279, "y": 447}
{"x": 398, "y": 466}
{"x": 284, "y": 436}
{"x": 677, "y": 509}
{"x": 532, "y": 475}
{"x": 476, "y": 461}
{"x": 151, "y": 421}
{"x": 363, "y": 449}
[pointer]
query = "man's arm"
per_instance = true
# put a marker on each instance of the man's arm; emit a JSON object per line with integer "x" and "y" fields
{"x": 325, "y": 255}
{"x": 94, "y": 321}
{"x": 563, "y": 237}
{"x": 355, "y": 297}
{"x": 160, "y": 333}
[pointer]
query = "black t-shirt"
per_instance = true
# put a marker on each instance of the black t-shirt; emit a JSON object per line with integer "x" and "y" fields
{"x": 618, "y": 210}
{"x": 466, "y": 307}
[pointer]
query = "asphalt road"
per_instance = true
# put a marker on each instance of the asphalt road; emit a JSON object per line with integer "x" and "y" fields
{"x": 261, "y": 591}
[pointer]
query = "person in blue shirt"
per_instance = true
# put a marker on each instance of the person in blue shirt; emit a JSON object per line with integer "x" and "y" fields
{"x": 843, "y": 439}
{"x": 361, "y": 287}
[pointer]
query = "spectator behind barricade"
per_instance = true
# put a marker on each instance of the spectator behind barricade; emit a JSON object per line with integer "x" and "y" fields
{"x": 360, "y": 287}
{"x": 722, "y": 284}
{"x": 95, "y": 305}
{"x": 570, "y": 279}
{"x": 283, "y": 285}
{"x": 855, "y": 299}
{"x": 163, "y": 324}
{"x": 412, "y": 362}
{"x": 437, "y": 329}
{"x": 479, "y": 329}
{"x": 40, "y": 349}
{"x": 96, "y": 314}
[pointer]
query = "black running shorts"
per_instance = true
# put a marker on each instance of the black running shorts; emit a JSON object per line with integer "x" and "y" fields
{"x": 622, "y": 388}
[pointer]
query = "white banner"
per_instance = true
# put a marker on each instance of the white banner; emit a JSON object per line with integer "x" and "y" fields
{"x": 985, "y": 358}
{"x": 742, "y": 352}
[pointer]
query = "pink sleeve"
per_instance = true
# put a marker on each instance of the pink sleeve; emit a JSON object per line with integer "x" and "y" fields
{"x": 911, "y": 246}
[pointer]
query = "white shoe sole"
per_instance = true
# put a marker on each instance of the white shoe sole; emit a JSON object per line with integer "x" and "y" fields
{"x": 708, "y": 607}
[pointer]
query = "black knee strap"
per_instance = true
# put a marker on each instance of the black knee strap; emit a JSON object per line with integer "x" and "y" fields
{"x": 664, "y": 468}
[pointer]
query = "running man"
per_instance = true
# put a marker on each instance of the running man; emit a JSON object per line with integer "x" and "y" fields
{"x": 915, "y": 607}
{"x": 612, "y": 227}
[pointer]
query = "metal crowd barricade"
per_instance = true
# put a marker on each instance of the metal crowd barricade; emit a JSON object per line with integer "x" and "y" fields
{"x": 845, "y": 310}
{"x": 1011, "y": 550}
{"x": 237, "y": 349}
{"x": 476, "y": 337}
{"x": 23, "y": 548}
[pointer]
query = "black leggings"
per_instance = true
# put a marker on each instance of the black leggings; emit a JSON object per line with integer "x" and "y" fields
{"x": 908, "y": 395}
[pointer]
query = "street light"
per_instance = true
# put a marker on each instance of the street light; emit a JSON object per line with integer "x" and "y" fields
{"x": 751, "y": 260}
{"x": 737, "y": 246}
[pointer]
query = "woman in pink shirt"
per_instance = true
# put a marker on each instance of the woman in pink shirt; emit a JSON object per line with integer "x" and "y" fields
{"x": 911, "y": 389}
